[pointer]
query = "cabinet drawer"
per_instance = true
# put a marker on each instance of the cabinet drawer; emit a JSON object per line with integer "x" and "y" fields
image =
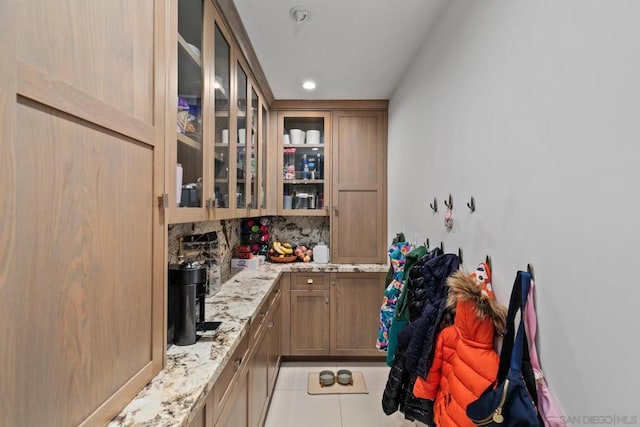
{"x": 223, "y": 384}
{"x": 309, "y": 281}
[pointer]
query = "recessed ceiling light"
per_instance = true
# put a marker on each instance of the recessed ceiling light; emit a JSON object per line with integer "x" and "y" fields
{"x": 309, "y": 85}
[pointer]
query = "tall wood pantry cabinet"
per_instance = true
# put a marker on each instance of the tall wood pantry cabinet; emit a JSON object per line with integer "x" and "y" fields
{"x": 82, "y": 104}
{"x": 341, "y": 174}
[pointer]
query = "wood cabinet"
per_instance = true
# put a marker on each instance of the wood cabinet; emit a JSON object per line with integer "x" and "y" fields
{"x": 216, "y": 166}
{"x": 274, "y": 354}
{"x": 309, "y": 318}
{"x": 352, "y": 188}
{"x": 334, "y": 314}
{"x": 359, "y": 201}
{"x": 355, "y": 313}
{"x": 236, "y": 411}
{"x": 81, "y": 234}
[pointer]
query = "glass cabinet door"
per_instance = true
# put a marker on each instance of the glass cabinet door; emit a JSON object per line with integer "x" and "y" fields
{"x": 305, "y": 151}
{"x": 254, "y": 153}
{"x": 241, "y": 138}
{"x": 221, "y": 88}
{"x": 263, "y": 150}
{"x": 189, "y": 105}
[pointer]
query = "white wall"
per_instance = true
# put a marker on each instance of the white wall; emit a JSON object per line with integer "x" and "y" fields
{"x": 533, "y": 107}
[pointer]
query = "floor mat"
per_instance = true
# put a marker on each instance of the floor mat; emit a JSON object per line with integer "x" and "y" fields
{"x": 358, "y": 386}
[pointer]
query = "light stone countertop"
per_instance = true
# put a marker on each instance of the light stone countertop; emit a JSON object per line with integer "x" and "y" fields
{"x": 176, "y": 394}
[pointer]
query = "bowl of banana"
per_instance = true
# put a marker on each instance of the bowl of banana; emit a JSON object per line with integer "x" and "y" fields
{"x": 282, "y": 252}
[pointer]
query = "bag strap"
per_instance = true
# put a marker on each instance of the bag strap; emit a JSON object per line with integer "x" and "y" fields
{"x": 512, "y": 352}
{"x": 531, "y": 328}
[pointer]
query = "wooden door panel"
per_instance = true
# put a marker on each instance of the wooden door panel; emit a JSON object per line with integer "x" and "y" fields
{"x": 358, "y": 225}
{"x": 76, "y": 41}
{"x": 80, "y": 295}
{"x": 357, "y": 154}
{"x": 309, "y": 322}
{"x": 355, "y": 313}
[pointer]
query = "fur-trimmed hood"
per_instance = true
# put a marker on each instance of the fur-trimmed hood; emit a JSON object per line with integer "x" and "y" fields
{"x": 462, "y": 287}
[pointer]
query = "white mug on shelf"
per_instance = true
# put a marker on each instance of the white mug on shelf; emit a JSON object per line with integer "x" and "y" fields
{"x": 225, "y": 136}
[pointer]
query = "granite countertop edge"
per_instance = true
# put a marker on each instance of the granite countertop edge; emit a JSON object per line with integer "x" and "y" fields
{"x": 175, "y": 395}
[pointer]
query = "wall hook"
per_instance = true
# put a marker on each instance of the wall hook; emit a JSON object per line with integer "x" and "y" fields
{"x": 434, "y": 205}
{"x": 460, "y": 255}
{"x": 442, "y": 246}
{"x": 530, "y": 270}
{"x": 488, "y": 261}
{"x": 426, "y": 243}
{"x": 450, "y": 204}
{"x": 472, "y": 204}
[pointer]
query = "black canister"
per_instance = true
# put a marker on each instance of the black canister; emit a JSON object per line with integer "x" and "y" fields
{"x": 186, "y": 280}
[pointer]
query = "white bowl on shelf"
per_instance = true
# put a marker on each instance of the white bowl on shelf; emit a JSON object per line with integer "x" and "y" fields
{"x": 296, "y": 136}
{"x": 313, "y": 137}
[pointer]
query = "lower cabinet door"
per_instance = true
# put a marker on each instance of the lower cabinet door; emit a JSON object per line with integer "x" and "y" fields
{"x": 236, "y": 412}
{"x": 309, "y": 322}
{"x": 258, "y": 380}
{"x": 274, "y": 335}
{"x": 355, "y": 313}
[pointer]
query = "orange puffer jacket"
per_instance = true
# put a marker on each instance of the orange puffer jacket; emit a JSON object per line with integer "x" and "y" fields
{"x": 464, "y": 362}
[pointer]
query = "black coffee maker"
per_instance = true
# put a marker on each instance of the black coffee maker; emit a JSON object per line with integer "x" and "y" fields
{"x": 185, "y": 310}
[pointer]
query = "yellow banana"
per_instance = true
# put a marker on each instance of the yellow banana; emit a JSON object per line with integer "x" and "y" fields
{"x": 277, "y": 246}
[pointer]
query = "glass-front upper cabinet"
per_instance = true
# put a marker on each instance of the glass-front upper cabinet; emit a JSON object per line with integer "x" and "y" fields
{"x": 305, "y": 162}
{"x": 254, "y": 153}
{"x": 218, "y": 149}
{"x": 190, "y": 127}
{"x": 242, "y": 137}
{"x": 263, "y": 157}
{"x": 221, "y": 89}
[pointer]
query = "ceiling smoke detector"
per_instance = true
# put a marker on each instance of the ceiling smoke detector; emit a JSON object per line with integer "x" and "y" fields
{"x": 299, "y": 14}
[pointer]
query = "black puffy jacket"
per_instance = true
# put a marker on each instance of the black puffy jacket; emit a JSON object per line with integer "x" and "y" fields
{"x": 434, "y": 291}
{"x": 416, "y": 340}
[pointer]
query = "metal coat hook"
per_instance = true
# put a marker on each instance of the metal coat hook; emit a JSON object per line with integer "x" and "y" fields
{"x": 426, "y": 243}
{"x": 450, "y": 204}
{"x": 472, "y": 204}
{"x": 442, "y": 246}
{"x": 434, "y": 205}
{"x": 488, "y": 261}
{"x": 530, "y": 270}
{"x": 460, "y": 255}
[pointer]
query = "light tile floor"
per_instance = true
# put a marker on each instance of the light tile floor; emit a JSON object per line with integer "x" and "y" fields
{"x": 291, "y": 405}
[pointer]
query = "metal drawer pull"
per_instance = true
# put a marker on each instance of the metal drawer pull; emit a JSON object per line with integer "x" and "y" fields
{"x": 270, "y": 325}
{"x": 326, "y": 300}
{"x": 237, "y": 363}
{"x": 309, "y": 281}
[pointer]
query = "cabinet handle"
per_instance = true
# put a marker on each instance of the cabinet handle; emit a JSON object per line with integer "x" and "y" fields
{"x": 333, "y": 283}
{"x": 163, "y": 200}
{"x": 270, "y": 325}
{"x": 309, "y": 281}
{"x": 326, "y": 300}
{"x": 262, "y": 315}
{"x": 335, "y": 210}
{"x": 236, "y": 364}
